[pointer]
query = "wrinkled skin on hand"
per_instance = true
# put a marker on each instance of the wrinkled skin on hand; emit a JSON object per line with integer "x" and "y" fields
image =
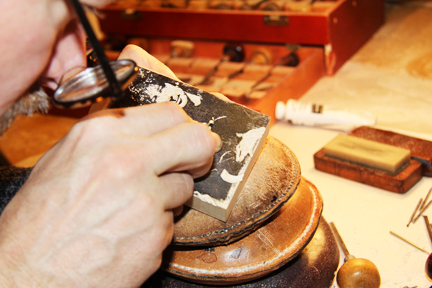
{"x": 97, "y": 209}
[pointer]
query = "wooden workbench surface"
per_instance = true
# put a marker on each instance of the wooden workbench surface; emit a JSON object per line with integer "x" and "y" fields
{"x": 29, "y": 137}
{"x": 390, "y": 76}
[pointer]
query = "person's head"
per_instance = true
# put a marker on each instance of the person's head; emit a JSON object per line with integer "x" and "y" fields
{"x": 39, "y": 41}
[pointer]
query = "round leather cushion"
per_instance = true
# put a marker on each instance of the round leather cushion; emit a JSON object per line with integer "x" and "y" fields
{"x": 315, "y": 266}
{"x": 272, "y": 245}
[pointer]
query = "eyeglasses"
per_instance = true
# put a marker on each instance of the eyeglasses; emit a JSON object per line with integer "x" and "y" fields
{"x": 107, "y": 80}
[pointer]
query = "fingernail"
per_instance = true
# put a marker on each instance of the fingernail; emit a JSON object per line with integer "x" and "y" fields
{"x": 218, "y": 141}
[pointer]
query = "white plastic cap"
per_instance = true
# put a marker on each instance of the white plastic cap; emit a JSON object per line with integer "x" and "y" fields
{"x": 280, "y": 110}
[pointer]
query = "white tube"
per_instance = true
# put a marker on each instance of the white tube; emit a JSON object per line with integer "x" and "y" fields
{"x": 309, "y": 114}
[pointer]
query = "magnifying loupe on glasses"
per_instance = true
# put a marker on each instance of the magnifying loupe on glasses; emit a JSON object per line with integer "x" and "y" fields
{"x": 91, "y": 84}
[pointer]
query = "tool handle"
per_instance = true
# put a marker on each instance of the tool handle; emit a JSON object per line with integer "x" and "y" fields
{"x": 339, "y": 239}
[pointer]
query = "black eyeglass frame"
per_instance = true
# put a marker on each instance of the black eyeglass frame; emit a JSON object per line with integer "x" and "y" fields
{"x": 115, "y": 89}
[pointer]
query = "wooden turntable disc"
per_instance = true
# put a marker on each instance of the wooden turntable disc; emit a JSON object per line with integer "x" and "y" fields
{"x": 266, "y": 249}
{"x": 315, "y": 267}
{"x": 272, "y": 181}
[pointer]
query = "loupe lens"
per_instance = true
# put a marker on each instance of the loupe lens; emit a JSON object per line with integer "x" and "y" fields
{"x": 91, "y": 83}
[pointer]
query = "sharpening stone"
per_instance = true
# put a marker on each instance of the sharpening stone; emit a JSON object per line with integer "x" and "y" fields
{"x": 369, "y": 162}
{"x": 368, "y": 153}
{"x": 421, "y": 149}
{"x": 243, "y": 132}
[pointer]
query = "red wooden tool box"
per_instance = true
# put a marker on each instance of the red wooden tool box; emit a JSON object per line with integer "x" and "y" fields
{"x": 327, "y": 32}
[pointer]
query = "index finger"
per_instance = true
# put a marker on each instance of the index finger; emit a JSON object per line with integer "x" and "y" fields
{"x": 142, "y": 120}
{"x": 145, "y": 60}
{"x": 189, "y": 147}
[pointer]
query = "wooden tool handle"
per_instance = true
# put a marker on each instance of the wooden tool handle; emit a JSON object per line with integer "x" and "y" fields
{"x": 339, "y": 240}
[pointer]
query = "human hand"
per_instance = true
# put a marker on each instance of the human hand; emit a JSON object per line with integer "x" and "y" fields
{"x": 144, "y": 59}
{"x": 97, "y": 208}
